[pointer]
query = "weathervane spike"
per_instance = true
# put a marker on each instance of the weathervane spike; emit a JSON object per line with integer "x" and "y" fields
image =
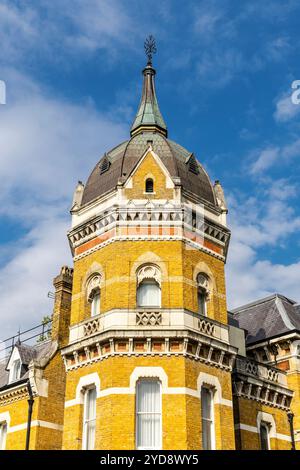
{"x": 150, "y": 48}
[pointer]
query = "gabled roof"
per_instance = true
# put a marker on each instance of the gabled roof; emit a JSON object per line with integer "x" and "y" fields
{"x": 27, "y": 354}
{"x": 268, "y": 317}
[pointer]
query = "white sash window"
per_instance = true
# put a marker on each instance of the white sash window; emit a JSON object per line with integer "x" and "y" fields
{"x": 148, "y": 294}
{"x": 89, "y": 419}
{"x": 148, "y": 414}
{"x": 95, "y": 304}
{"x": 207, "y": 413}
{"x": 3, "y": 433}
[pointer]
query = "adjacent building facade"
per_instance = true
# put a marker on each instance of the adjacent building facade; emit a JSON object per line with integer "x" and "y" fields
{"x": 143, "y": 353}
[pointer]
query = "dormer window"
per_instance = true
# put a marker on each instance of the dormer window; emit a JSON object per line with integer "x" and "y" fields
{"x": 15, "y": 371}
{"x": 149, "y": 185}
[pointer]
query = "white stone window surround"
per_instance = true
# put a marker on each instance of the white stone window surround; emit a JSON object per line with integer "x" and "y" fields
{"x": 148, "y": 293}
{"x": 268, "y": 419}
{"x": 4, "y": 420}
{"x": 148, "y": 271}
{"x": 93, "y": 285}
{"x": 148, "y": 372}
{"x": 212, "y": 417}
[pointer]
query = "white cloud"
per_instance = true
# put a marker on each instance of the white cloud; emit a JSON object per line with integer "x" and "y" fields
{"x": 47, "y": 144}
{"x": 285, "y": 108}
{"x": 266, "y": 219}
{"x": 265, "y": 159}
{"x": 56, "y": 27}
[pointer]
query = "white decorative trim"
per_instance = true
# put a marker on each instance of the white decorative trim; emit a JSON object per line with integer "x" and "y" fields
{"x": 36, "y": 423}
{"x": 146, "y": 372}
{"x": 246, "y": 427}
{"x": 153, "y": 372}
{"x": 149, "y": 271}
{"x": 189, "y": 242}
{"x": 5, "y": 417}
{"x": 85, "y": 382}
{"x": 266, "y": 418}
{"x": 213, "y": 381}
{"x": 93, "y": 284}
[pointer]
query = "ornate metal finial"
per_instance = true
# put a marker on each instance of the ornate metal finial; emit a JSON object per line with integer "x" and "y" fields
{"x": 150, "y": 47}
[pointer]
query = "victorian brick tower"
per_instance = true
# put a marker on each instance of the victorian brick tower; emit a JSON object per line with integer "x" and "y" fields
{"x": 149, "y": 358}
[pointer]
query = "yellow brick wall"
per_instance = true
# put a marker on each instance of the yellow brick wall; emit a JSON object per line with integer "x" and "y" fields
{"x": 293, "y": 380}
{"x": 118, "y": 262}
{"x": 181, "y": 413}
{"x": 246, "y": 412}
{"x": 18, "y": 411}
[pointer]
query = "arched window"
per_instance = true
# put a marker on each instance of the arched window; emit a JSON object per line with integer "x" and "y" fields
{"x": 202, "y": 293}
{"x": 3, "y": 433}
{"x": 264, "y": 434}
{"x": 148, "y": 290}
{"x": 149, "y": 185}
{"x": 94, "y": 294}
{"x": 89, "y": 419}
{"x": 148, "y": 414}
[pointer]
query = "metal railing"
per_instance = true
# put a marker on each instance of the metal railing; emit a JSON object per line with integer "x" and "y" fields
{"x": 41, "y": 332}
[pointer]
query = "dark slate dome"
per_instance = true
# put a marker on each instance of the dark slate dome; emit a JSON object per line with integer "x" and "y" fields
{"x": 148, "y": 128}
{"x": 117, "y": 164}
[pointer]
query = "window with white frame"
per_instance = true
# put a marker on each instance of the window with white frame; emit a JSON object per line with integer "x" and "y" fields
{"x": 203, "y": 293}
{"x": 148, "y": 290}
{"x": 89, "y": 419}
{"x": 3, "y": 433}
{"x": 264, "y": 434}
{"x": 207, "y": 414}
{"x": 94, "y": 294}
{"x": 15, "y": 371}
{"x": 148, "y": 414}
{"x": 95, "y": 303}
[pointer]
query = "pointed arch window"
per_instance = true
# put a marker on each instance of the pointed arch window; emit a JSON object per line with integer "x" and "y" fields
{"x": 149, "y": 185}
{"x": 202, "y": 293}
{"x": 148, "y": 290}
{"x": 94, "y": 294}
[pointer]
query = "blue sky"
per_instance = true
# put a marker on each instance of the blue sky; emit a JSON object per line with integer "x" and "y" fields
{"x": 73, "y": 76}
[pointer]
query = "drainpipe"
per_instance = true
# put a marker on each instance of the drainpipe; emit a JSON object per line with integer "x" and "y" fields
{"x": 30, "y": 406}
{"x": 290, "y": 416}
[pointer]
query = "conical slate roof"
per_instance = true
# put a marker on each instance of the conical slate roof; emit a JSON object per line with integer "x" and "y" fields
{"x": 148, "y": 128}
{"x": 148, "y": 114}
